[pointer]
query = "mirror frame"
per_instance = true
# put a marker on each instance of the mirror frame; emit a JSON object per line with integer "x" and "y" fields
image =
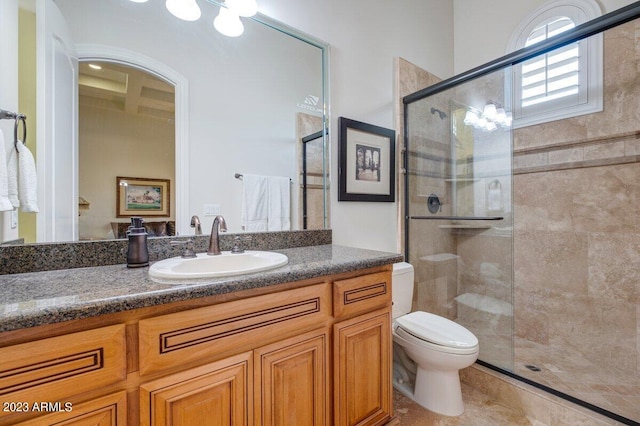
{"x": 326, "y": 116}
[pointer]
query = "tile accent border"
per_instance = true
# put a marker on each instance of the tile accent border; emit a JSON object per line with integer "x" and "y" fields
{"x": 602, "y": 151}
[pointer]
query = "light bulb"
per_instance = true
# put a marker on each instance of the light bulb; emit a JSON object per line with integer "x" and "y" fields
{"x": 187, "y": 10}
{"x": 508, "y": 120}
{"x": 244, "y": 8}
{"x": 228, "y": 23}
{"x": 501, "y": 116}
{"x": 490, "y": 111}
{"x": 490, "y": 127}
{"x": 470, "y": 118}
{"x": 139, "y": 1}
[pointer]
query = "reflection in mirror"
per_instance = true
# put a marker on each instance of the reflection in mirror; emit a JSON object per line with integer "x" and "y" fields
{"x": 121, "y": 107}
{"x": 242, "y": 105}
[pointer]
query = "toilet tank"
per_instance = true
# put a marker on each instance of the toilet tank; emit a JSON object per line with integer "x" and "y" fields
{"x": 402, "y": 288}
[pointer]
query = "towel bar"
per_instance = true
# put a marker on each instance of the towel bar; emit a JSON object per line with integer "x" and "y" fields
{"x": 239, "y": 176}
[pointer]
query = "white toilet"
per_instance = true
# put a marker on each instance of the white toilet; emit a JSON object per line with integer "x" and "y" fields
{"x": 428, "y": 350}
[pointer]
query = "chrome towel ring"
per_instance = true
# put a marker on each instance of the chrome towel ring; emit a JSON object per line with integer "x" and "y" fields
{"x": 18, "y": 119}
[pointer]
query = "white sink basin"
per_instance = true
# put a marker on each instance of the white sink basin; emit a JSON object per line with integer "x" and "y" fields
{"x": 223, "y": 265}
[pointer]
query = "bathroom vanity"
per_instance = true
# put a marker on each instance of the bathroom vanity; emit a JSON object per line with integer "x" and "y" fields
{"x": 305, "y": 344}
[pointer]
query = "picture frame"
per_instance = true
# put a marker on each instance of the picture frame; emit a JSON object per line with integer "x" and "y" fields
{"x": 366, "y": 162}
{"x": 144, "y": 197}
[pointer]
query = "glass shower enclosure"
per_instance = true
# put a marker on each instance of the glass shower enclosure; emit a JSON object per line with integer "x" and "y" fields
{"x": 528, "y": 235}
{"x": 459, "y": 210}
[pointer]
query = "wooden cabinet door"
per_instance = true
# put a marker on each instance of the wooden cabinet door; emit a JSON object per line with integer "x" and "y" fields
{"x": 362, "y": 370}
{"x": 110, "y": 410}
{"x": 216, "y": 394}
{"x": 292, "y": 381}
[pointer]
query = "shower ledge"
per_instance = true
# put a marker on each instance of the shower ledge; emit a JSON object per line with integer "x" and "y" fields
{"x": 464, "y": 226}
{"x": 439, "y": 257}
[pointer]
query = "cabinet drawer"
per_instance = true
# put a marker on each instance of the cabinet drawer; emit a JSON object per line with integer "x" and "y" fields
{"x": 220, "y": 330}
{"x": 362, "y": 294}
{"x": 58, "y": 367}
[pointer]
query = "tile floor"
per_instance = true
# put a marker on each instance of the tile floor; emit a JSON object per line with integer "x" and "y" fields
{"x": 606, "y": 386}
{"x": 480, "y": 410}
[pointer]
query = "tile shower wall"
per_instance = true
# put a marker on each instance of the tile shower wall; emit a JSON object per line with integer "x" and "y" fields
{"x": 463, "y": 268}
{"x": 577, "y": 242}
{"x": 308, "y": 124}
{"x": 429, "y": 160}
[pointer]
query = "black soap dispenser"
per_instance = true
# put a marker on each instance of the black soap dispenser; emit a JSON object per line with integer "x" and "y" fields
{"x": 138, "y": 254}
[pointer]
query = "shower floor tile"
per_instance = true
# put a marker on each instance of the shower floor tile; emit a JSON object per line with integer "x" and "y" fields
{"x": 480, "y": 410}
{"x": 601, "y": 385}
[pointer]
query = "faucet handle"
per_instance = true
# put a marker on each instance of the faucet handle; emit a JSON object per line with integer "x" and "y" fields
{"x": 188, "y": 251}
{"x": 237, "y": 249}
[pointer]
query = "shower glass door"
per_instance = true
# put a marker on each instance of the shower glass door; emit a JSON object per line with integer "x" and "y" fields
{"x": 459, "y": 210}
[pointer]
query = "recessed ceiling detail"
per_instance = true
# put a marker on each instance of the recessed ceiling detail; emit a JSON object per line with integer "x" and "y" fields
{"x": 127, "y": 89}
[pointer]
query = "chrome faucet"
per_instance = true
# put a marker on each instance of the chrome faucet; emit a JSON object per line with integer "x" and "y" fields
{"x": 195, "y": 223}
{"x": 214, "y": 240}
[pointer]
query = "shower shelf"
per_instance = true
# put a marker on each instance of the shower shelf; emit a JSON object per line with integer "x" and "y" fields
{"x": 457, "y": 217}
{"x": 464, "y": 226}
{"x": 462, "y": 180}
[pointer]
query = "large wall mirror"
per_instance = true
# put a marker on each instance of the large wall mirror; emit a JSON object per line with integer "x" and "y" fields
{"x": 170, "y": 104}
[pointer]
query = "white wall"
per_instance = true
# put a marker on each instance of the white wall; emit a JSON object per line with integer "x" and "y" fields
{"x": 482, "y": 29}
{"x": 365, "y": 36}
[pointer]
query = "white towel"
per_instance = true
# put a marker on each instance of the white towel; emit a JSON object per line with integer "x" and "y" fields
{"x": 27, "y": 180}
{"x": 12, "y": 173}
{"x": 254, "y": 203}
{"x": 279, "y": 203}
{"x": 5, "y": 203}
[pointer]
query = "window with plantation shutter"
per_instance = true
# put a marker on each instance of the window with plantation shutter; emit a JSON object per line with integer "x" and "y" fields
{"x": 565, "y": 82}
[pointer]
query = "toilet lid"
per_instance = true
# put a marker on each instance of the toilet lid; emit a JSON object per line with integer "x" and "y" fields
{"x": 438, "y": 330}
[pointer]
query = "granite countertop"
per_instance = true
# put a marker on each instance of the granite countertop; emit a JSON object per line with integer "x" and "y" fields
{"x": 37, "y": 298}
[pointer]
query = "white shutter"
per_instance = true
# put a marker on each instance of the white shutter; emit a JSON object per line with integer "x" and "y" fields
{"x": 555, "y": 74}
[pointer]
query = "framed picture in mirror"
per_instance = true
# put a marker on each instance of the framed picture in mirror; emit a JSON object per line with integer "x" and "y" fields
{"x": 366, "y": 161}
{"x": 142, "y": 197}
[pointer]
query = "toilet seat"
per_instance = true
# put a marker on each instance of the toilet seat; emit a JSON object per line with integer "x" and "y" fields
{"x": 434, "y": 331}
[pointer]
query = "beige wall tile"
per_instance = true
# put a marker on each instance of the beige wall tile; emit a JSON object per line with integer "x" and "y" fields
{"x": 566, "y": 156}
{"x": 604, "y": 150}
{"x": 551, "y": 260}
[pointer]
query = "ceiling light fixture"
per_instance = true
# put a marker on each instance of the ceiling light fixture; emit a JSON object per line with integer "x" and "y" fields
{"x": 95, "y": 66}
{"x": 489, "y": 119}
{"x": 187, "y": 10}
{"x": 228, "y": 23}
{"x": 228, "y": 20}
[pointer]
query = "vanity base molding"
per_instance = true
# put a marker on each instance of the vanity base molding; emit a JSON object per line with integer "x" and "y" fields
{"x": 313, "y": 352}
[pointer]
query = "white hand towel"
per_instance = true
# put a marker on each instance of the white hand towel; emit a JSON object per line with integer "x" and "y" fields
{"x": 254, "y": 203}
{"x": 27, "y": 180}
{"x": 12, "y": 173}
{"x": 5, "y": 203}
{"x": 279, "y": 205}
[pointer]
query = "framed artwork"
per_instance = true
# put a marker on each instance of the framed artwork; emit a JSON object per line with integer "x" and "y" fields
{"x": 366, "y": 162}
{"x": 142, "y": 197}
